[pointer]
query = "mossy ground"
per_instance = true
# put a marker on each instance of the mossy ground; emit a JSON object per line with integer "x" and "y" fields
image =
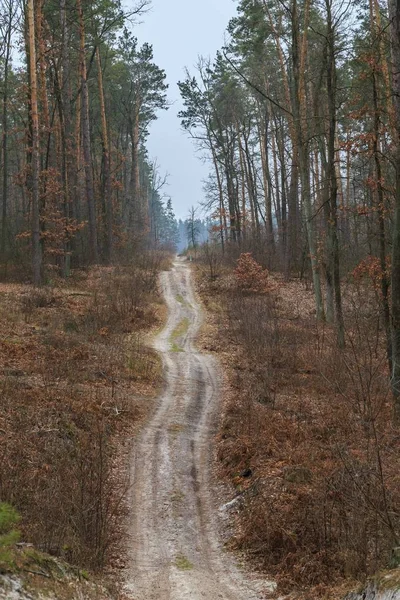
{"x": 38, "y": 575}
{"x": 182, "y": 563}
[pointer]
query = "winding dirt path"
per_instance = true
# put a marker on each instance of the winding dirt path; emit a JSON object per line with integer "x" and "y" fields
{"x": 175, "y": 553}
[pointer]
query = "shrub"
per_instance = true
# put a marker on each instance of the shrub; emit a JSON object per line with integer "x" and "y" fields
{"x": 250, "y": 276}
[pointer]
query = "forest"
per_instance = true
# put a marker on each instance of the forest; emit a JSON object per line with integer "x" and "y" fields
{"x": 76, "y": 177}
{"x": 294, "y": 254}
{"x": 298, "y": 117}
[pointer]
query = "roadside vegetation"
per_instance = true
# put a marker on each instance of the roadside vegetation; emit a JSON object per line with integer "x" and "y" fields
{"x": 306, "y": 438}
{"x": 78, "y": 377}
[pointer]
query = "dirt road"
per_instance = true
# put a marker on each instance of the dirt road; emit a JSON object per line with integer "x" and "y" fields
{"x": 175, "y": 553}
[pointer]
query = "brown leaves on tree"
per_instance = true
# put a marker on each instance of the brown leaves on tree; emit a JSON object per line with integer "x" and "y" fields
{"x": 250, "y": 275}
{"x": 370, "y": 269}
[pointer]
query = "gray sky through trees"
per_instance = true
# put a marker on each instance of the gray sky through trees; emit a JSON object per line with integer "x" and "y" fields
{"x": 180, "y": 31}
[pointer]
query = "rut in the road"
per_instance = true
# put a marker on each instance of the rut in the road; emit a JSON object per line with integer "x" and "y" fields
{"x": 174, "y": 551}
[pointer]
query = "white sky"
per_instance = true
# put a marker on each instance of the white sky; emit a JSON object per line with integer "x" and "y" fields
{"x": 180, "y": 31}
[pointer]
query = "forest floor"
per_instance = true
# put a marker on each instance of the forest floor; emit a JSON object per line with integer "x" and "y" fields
{"x": 270, "y": 456}
{"x": 300, "y": 428}
{"x": 77, "y": 381}
{"x": 176, "y": 552}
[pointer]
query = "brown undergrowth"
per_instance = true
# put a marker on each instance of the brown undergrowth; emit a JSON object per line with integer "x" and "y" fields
{"x": 76, "y": 380}
{"x": 306, "y": 436}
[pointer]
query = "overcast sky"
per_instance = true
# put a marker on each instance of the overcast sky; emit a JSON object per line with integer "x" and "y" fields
{"x": 180, "y": 31}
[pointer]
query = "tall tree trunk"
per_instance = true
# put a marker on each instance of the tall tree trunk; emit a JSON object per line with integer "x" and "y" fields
{"x": 394, "y": 15}
{"x": 66, "y": 132}
{"x": 321, "y": 170}
{"x": 46, "y": 128}
{"x": 280, "y": 146}
{"x": 377, "y": 24}
{"x": 292, "y": 243}
{"x": 107, "y": 191}
{"x": 333, "y": 188}
{"x": 227, "y": 150}
{"x": 222, "y": 215}
{"x": 299, "y": 53}
{"x": 247, "y": 184}
{"x": 85, "y": 125}
{"x": 5, "y": 131}
{"x": 35, "y": 154}
{"x": 135, "y": 218}
{"x": 251, "y": 185}
{"x": 233, "y": 234}
{"x": 380, "y": 200}
{"x": 278, "y": 193}
{"x": 322, "y": 179}
{"x": 267, "y": 182}
{"x": 343, "y": 216}
{"x": 45, "y": 133}
{"x": 243, "y": 184}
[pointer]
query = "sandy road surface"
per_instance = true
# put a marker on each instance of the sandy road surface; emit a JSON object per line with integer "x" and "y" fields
{"x": 175, "y": 554}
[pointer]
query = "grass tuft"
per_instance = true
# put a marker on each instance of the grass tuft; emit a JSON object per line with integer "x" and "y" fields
{"x": 182, "y": 563}
{"x": 180, "y": 330}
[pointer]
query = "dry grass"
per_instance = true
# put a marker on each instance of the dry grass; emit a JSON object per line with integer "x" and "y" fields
{"x": 313, "y": 428}
{"x": 77, "y": 377}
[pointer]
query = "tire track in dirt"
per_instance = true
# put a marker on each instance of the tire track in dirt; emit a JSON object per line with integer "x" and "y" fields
{"x": 175, "y": 553}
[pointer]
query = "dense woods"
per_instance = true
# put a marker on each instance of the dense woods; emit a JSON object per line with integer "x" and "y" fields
{"x": 298, "y": 119}
{"x": 78, "y": 96}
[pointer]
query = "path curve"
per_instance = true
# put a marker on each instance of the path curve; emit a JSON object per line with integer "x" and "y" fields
{"x": 175, "y": 553}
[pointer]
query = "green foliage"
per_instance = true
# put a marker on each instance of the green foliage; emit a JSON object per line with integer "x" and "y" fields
{"x": 142, "y": 84}
{"x": 8, "y": 535}
{"x": 164, "y": 224}
{"x": 182, "y": 563}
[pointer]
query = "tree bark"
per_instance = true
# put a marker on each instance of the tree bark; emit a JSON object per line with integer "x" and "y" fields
{"x": 267, "y": 182}
{"x": 107, "y": 191}
{"x": 66, "y": 132}
{"x": 394, "y": 16}
{"x": 333, "y": 187}
{"x": 35, "y": 166}
{"x": 135, "y": 212}
{"x": 379, "y": 196}
{"x": 292, "y": 242}
{"x": 5, "y": 132}
{"x": 222, "y": 215}
{"x": 85, "y": 124}
{"x": 299, "y": 53}
{"x": 243, "y": 184}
